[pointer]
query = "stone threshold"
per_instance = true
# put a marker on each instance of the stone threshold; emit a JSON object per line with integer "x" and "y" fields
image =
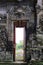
{"x": 17, "y": 62}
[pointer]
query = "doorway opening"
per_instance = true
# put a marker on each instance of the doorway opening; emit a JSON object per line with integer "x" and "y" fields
{"x": 19, "y": 40}
{"x": 19, "y": 50}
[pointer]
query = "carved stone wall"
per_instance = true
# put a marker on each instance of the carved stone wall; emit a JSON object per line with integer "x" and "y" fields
{"x": 24, "y": 12}
{"x": 39, "y": 35}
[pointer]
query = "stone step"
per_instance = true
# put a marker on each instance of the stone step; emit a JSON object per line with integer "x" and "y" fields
{"x": 13, "y": 63}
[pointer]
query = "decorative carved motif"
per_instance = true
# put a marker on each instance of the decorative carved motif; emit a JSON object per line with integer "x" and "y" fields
{"x": 38, "y": 9}
{"x": 20, "y": 12}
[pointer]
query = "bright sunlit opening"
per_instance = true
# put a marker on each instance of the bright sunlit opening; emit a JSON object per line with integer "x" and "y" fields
{"x": 19, "y": 43}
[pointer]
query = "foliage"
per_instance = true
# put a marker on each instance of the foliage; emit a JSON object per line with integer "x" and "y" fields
{"x": 19, "y": 45}
{"x": 36, "y": 63}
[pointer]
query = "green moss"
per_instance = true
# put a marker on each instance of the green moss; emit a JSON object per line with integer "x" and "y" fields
{"x": 36, "y": 63}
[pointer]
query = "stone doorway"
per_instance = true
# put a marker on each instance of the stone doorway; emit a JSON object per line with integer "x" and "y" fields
{"x": 19, "y": 49}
